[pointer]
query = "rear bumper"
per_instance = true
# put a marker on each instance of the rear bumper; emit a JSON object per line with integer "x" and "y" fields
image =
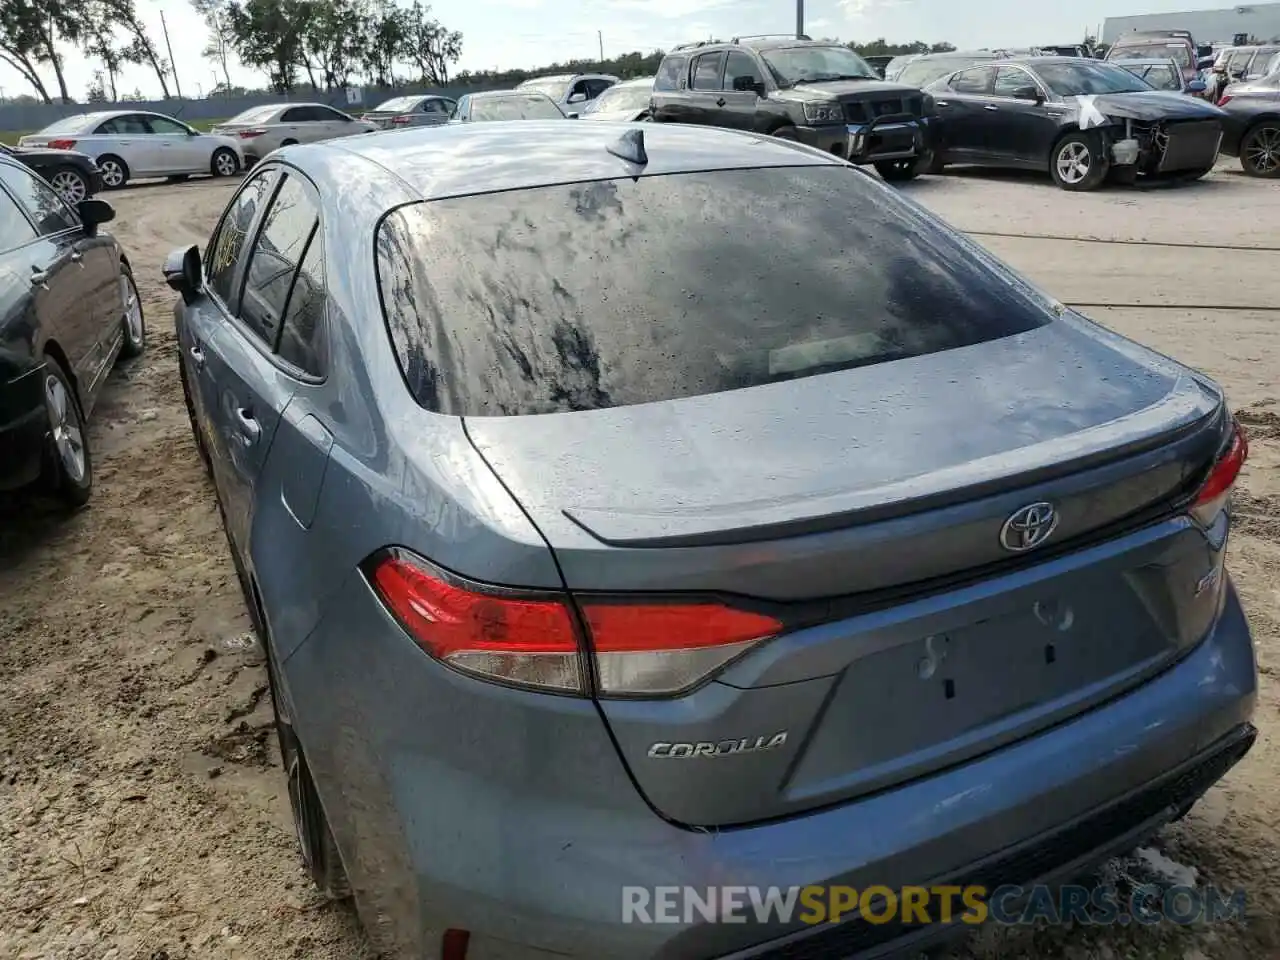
{"x": 461, "y": 804}
{"x": 23, "y": 426}
{"x": 871, "y": 142}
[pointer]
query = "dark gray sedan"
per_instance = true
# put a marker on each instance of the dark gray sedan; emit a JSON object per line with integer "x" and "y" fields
{"x": 411, "y": 111}
{"x": 607, "y": 529}
{"x": 499, "y": 105}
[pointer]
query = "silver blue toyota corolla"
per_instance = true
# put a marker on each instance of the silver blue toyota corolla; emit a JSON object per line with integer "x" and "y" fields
{"x": 628, "y": 506}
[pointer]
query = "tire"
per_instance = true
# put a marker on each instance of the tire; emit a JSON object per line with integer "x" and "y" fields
{"x": 1125, "y": 176}
{"x": 176, "y": 178}
{"x": 71, "y": 184}
{"x": 786, "y": 133}
{"x": 1260, "y": 150}
{"x": 191, "y": 419}
{"x": 1190, "y": 176}
{"x": 224, "y": 163}
{"x": 1089, "y": 161}
{"x": 288, "y": 143}
{"x": 899, "y": 171}
{"x": 319, "y": 852}
{"x": 133, "y": 322}
{"x": 115, "y": 172}
{"x": 68, "y": 471}
{"x": 934, "y": 164}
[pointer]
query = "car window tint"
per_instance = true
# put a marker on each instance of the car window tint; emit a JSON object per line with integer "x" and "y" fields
{"x": 163, "y": 125}
{"x": 15, "y": 229}
{"x": 597, "y": 87}
{"x": 975, "y": 81}
{"x": 302, "y": 338}
{"x": 42, "y": 203}
{"x": 228, "y": 241}
{"x": 132, "y": 125}
{"x": 739, "y": 64}
{"x": 673, "y": 73}
{"x": 1009, "y": 80}
{"x": 437, "y": 106}
{"x": 293, "y": 115}
{"x": 328, "y": 114}
{"x": 615, "y": 292}
{"x": 277, "y": 251}
{"x": 706, "y": 71}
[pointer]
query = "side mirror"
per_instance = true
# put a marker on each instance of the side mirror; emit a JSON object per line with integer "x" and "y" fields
{"x": 182, "y": 272}
{"x": 1029, "y": 92}
{"x": 577, "y": 98}
{"x": 572, "y": 116}
{"x": 1197, "y": 86}
{"x": 93, "y": 213}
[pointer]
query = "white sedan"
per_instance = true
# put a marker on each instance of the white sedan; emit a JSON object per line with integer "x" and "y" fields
{"x": 132, "y": 144}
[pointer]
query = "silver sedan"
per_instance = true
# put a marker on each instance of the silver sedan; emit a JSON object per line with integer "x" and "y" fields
{"x": 134, "y": 144}
{"x": 262, "y": 129}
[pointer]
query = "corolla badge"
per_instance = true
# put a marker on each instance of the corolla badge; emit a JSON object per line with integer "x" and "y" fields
{"x": 1028, "y": 527}
{"x": 720, "y": 748}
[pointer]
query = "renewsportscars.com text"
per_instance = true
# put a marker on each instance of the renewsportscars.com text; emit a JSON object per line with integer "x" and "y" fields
{"x": 1095, "y": 904}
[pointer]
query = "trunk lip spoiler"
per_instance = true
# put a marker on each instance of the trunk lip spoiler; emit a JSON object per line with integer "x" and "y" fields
{"x": 1187, "y": 408}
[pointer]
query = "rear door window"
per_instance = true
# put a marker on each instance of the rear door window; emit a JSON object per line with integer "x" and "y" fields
{"x": 615, "y": 292}
{"x": 15, "y": 229}
{"x": 48, "y": 210}
{"x": 673, "y": 73}
{"x": 223, "y": 254}
{"x": 707, "y": 70}
{"x": 278, "y": 249}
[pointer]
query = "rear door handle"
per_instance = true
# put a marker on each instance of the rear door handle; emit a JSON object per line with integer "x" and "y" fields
{"x": 990, "y": 106}
{"x": 247, "y": 425}
{"x": 197, "y": 356}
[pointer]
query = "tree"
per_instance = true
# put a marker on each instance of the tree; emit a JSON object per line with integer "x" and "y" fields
{"x": 385, "y": 41}
{"x": 267, "y": 34}
{"x": 29, "y": 31}
{"x": 99, "y": 41}
{"x": 97, "y": 92}
{"x": 332, "y": 35}
{"x": 430, "y": 47}
{"x": 20, "y": 45}
{"x": 221, "y": 36}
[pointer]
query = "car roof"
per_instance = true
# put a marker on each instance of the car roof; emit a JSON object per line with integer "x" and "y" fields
{"x": 635, "y": 82}
{"x": 438, "y": 162}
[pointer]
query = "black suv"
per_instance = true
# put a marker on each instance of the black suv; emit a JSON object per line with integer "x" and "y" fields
{"x": 819, "y": 93}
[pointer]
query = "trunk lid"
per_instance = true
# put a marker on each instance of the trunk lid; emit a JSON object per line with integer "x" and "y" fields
{"x": 864, "y": 509}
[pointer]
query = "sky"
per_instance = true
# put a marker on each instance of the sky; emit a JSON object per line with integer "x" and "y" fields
{"x": 529, "y": 33}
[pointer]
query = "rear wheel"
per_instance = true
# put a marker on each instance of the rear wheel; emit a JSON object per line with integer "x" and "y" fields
{"x": 315, "y": 839}
{"x": 71, "y": 184}
{"x": 897, "y": 171}
{"x": 135, "y": 325}
{"x": 1260, "y": 150}
{"x": 787, "y": 133}
{"x": 68, "y": 471}
{"x": 115, "y": 172}
{"x": 1189, "y": 176}
{"x": 288, "y": 143}
{"x": 224, "y": 163}
{"x": 1079, "y": 161}
{"x": 934, "y": 163}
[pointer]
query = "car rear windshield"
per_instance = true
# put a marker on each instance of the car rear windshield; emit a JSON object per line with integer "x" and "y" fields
{"x": 918, "y": 73}
{"x": 255, "y": 114}
{"x": 555, "y": 88}
{"x": 67, "y": 124}
{"x": 397, "y": 104}
{"x": 623, "y": 98}
{"x": 516, "y": 106}
{"x": 1178, "y": 52}
{"x": 615, "y": 292}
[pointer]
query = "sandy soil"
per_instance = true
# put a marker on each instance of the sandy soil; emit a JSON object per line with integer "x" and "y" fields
{"x": 142, "y": 812}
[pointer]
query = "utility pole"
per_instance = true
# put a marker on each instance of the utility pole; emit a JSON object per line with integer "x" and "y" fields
{"x": 173, "y": 67}
{"x": 799, "y": 19}
{"x": 600, "y": 37}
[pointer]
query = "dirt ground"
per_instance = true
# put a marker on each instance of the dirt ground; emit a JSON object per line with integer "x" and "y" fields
{"x": 142, "y": 810}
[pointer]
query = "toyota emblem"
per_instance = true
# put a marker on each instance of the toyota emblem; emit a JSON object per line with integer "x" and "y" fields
{"x": 1028, "y": 527}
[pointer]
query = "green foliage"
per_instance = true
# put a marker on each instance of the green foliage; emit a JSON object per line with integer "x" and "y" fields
{"x": 882, "y": 48}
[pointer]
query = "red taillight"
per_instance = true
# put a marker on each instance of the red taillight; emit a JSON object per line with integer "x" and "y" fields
{"x": 528, "y": 639}
{"x": 401, "y": 120}
{"x": 1216, "y": 489}
{"x": 61, "y": 144}
{"x": 1223, "y": 100}
{"x": 249, "y": 134}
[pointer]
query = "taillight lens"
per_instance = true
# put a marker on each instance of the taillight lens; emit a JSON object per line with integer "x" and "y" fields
{"x": 531, "y": 639}
{"x": 61, "y": 144}
{"x": 1223, "y": 101}
{"x": 1214, "y": 493}
{"x": 400, "y": 120}
{"x": 250, "y": 134}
